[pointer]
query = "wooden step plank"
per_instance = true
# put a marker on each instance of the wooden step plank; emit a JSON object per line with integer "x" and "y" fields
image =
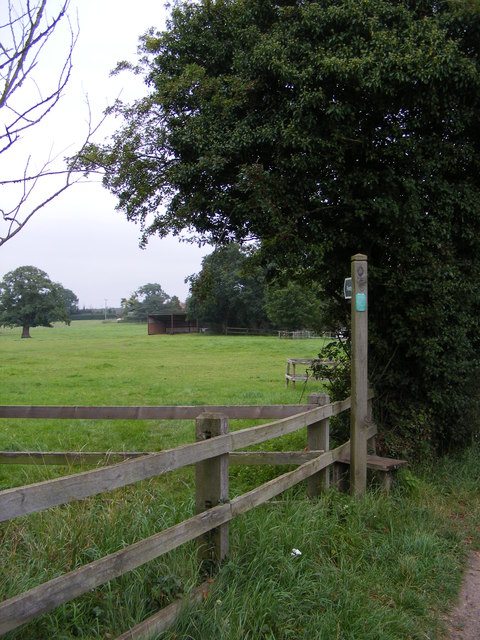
{"x": 378, "y": 463}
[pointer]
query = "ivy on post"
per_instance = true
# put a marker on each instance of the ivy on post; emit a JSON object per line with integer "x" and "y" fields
{"x": 211, "y": 482}
{"x": 359, "y": 390}
{"x": 318, "y": 439}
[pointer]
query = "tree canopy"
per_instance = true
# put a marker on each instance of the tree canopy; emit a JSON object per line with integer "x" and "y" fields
{"x": 149, "y": 298}
{"x": 320, "y": 130}
{"x": 231, "y": 290}
{"x": 28, "y": 298}
{"x": 292, "y": 306}
{"x": 228, "y": 291}
{"x": 70, "y": 299}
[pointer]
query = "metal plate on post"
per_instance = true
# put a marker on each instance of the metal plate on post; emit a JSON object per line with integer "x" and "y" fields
{"x": 347, "y": 289}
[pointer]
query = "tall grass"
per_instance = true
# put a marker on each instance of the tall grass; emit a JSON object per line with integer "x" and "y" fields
{"x": 380, "y": 567}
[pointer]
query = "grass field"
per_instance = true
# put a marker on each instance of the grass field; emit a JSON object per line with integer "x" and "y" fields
{"x": 96, "y": 363}
{"x": 92, "y": 363}
{"x": 373, "y": 568}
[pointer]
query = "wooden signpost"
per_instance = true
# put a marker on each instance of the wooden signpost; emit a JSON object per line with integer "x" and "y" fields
{"x": 359, "y": 381}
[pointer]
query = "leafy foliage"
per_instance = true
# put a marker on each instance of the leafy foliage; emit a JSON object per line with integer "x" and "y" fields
{"x": 295, "y": 306}
{"x": 70, "y": 299}
{"x": 149, "y": 298}
{"x": 321, "y": 130}
{"x": 28, "y": 298}
{"x": 336, "y": 375}
{"x": 333, "y": 367}
{"x": 228, "y": 291}
{"x": 232, "y": 290}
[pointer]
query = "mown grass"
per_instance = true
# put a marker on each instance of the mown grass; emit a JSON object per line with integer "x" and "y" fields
{"x": 92, "y": 363}
{"x": 379, "y": 567}
{"x": 95, "y": 363}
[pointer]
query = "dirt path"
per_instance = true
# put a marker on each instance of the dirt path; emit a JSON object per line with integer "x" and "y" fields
{"x": 464, "y": 621}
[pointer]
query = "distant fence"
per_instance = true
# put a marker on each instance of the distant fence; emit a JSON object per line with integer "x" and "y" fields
{"x": 215, "y": 449}
{"x": 302, "y": 334}
{"x": 293, "y": 375}
{"x": 298, "y": 335}
{"x": 246, "y": 331}
{"x": 294, "y": 335}
{"x": 306, "y": 334}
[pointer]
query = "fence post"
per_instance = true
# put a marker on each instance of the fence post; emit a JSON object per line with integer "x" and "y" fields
{"x": 318, "y": 438}
{"x": 372, "y": 442}
{"x": 359, "y": 391}
{"x": 211, "y": 482}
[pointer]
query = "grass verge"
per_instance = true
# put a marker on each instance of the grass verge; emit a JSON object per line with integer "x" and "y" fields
{"x": 379, "y": 567}
{"x": 373, "y": 568}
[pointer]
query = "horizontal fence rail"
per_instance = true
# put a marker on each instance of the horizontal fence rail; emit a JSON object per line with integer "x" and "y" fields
{"x": 51, "y": 412}
{"x": 49, "y": 595}
{"x": 137, "y": 466}
{"x": 21, "y": 501}
{"x": 68, "y": 458}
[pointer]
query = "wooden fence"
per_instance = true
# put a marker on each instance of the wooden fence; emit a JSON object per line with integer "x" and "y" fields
{"x": 214, "y": 443}
{"x": 215, "y": 448}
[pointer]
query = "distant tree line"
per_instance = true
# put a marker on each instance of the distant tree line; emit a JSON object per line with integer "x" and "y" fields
{"x": 233, "y": 290}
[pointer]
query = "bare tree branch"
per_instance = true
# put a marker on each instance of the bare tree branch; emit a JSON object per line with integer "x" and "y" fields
{"x": 28, "y": 37}
{"x": 18, "y": 216}
{"x": 23, "y": 39}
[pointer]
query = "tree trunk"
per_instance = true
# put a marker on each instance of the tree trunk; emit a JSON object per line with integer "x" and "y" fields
{"x": 26, "y": 332}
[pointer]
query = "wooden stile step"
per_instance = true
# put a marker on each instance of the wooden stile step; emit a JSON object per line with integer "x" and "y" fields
{"x": 377, "y": 463}
{"x": 384, "y": 468}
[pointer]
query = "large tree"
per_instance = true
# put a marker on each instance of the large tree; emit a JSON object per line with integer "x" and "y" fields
{"x": 28, "y": 298}
{"x": 292, "y": 306}
{"x": 228, "y": 291}
{"x": 320, "y": 130}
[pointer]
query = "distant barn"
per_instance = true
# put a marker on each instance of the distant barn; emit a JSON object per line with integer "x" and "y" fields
{"x": 170, "y": 323}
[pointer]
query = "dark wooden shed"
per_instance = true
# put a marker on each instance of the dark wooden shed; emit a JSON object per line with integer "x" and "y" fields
{"x": 170, "y": 323}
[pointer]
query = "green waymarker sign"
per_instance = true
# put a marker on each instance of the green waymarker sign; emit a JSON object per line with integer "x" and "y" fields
{"x": 347, "y": 289}
{"x": 360, "y": 302}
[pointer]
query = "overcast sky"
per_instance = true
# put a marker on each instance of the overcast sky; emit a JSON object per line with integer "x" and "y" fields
{"x": 80, "y": 239}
